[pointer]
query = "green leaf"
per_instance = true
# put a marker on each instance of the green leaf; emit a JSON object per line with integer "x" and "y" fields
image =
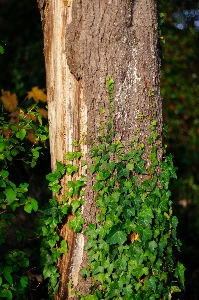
{"x": 163, "y": 205}
{"x": 124, "y": 172}
{"x": 24, "y": 262}
{"x": 75, "y": 143}
{"x": 112, "y": 148}
{"x": 10, "y": 195}
{"x": 146, "y": 235}
{"x": 76, "y": 224}
{"x": 175, "y": 289}
{"x": 130, "y": 166}
{"x": 69, "y": 156}
{"x": 174, "y": 222}
{"x": 63, "y": 247}
{"x": 6, "y": 294}
{"x": 179, "y": 272}
{"x": 60, "y": 167}
{"x": 71, "y": 169}
{"x": 152, "y": 246}
{"x": 53, "y": 176}
{"x": 98, "y": 269}
{"x": 111, "y": 166}
{"x": 1, "y": 50}
{"x": 118, "y": 237}
{"x": 91, "y": 297}
{"x": 151, "y": 283}
{"x": 21, "y": 134}
{"x": 92, "y": 168}
{"x": 7, "y": 276}
{"x": 83, "y": 163}
{"x": 34, "y": 204}
{"x": 77, "y": 154}
{"x": 102, "y": 175}
{"x": 75, "y": 204}
{"x": 24, "y": 281}
{"x": 28, "y": 208}
{"x": 129, "y": 212}
{"x": 115, "y": 196}
{"x": 140, "y": 167}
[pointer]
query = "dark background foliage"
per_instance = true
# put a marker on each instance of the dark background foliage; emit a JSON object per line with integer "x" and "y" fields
{"x": 22, "y": 67}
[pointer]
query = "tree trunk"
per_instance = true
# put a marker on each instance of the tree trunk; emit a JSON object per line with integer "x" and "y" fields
{"x": 86, "y": 42}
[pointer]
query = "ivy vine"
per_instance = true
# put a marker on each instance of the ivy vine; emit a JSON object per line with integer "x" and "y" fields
{"x": 130, "y": 246}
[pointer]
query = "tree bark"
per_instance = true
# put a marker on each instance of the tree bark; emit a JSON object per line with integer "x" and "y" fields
{"x": 86, "y": 42}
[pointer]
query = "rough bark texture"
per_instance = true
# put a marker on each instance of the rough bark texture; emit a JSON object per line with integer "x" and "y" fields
{"x": 85, "y": 42}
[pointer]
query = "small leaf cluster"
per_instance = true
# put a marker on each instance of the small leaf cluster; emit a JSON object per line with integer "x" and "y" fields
{"x": 14, "y": 262}
{"x": 12, "y": 280}
{"x": 53, "y": 246}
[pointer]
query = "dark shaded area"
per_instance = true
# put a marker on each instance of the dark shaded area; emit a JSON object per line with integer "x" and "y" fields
{"x": 22, "y": 65}
{"x": 180, "y": 91}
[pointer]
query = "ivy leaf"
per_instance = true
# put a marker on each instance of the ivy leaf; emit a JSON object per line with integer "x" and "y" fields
{"x": 124, "y": 172}
{"x": 118, "y": 237}
{"x": 60, "y": 167}
{"x": 98, "y": 269}
{"x": 55, "y": 188}
{"x": 111, "y": 166}
{"x": 140, "y": 168}
{"x": 10, "y": 195}
{"x": 98, "y": 186}
{"x": 115, "y": 196}
{"x": 152, "y": 246}
{"x": 76, "y": 224}
{"x": 151, "y": 283}
{"x": 92, "y": 168}
{"x": 102, "y": 175}
{"x": 77, "y": 154}
{"x": 129, "y": 212}
{"x": 53, "y": 176}
{"x": 63, "y": 247}
{"x": 112, "y": 148}
{"x": 163, "y": 206}
{"x": 75, "y": 204}
{"x": 146, "y": 235}
{"x": 71, "y": 169}
{"x": 69, "y": 156}
{"x": 174, "y": 222}
{"x": 130, "y": 166}
{"x": 179, "y": 272}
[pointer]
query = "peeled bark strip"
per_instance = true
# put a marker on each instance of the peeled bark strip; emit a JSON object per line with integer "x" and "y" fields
{"x": 86, "y": 42}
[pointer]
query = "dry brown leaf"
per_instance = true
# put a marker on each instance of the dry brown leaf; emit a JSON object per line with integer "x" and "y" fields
{"x": 43, "y": 112}
{"x": 7, "y": 133}
{"x": 14, "y": 117}
{"x": 37, "y": 94}
{"x": 133, "y": 236}
{"x": 9, "y": 101}
{"x": 30, "y": 136}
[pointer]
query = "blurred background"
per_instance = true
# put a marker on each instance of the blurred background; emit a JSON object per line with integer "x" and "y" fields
{"x": 22, "y": 68}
